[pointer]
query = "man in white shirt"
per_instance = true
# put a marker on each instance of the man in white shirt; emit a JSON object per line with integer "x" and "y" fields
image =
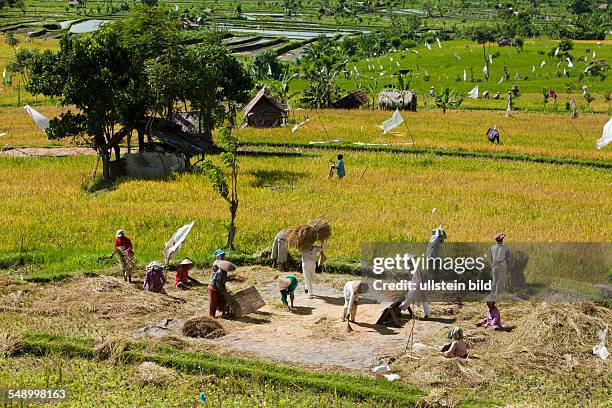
{"x": 352, "y": 291}
{"x": 309, "y": 265}
{"x": 500, "y": 262}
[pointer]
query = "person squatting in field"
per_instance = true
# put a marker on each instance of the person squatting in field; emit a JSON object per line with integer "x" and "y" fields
{"x": 125, "y": 252}
{"x": 182, "y": 279}
{"x": 493, "y": 317}
{"x": 155, "y": 279}
{"x": 457, "y": 347}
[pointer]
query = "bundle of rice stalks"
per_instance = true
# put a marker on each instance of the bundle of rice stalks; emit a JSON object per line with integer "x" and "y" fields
{"x": 112, "y": 348}
{"x": 321, "y": 227}
{"x": 203, "y": 327}
{"x": 303, "y": 237}
{"x": 151, "y": 373}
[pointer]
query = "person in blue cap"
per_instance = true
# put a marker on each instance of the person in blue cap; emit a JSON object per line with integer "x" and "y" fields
{"x": 217, "y": 292}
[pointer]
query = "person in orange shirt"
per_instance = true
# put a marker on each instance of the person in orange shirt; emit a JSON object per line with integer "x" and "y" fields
{"x": 183, "y": 280}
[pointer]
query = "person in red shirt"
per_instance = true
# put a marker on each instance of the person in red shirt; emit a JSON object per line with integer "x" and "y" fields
{"x": 183, "y": 280}
{"x": 125, "y": 251}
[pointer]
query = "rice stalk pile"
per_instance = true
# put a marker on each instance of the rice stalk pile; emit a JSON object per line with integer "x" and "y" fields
{"x": 548, "y": 337}
{"x": 203, "y": 327}
{"x": 148, "y": 373}
{"x": 303, "y": 237}
{"x": 112, "y": 348}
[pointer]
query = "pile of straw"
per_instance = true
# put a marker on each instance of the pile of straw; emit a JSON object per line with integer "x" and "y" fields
{"x": 112, "y": 348}
{"x": 150, "y": 373}
{"x": 203, "y": 327}
{"x": 303, "y": 237}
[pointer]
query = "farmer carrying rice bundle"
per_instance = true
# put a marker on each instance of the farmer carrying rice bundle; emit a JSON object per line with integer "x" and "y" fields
{"x": 125, "y": 253}
{"x": 303, "y": 238}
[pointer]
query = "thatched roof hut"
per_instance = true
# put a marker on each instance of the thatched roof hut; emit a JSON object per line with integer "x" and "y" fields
{"x": 264, "y": 111}
{"x": 394, "y": 99}
{"x": 352, "y": 101}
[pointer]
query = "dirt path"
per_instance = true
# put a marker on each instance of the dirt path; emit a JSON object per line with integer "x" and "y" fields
{"x": 47, "y": 151}
{"x": 314, "y": 334}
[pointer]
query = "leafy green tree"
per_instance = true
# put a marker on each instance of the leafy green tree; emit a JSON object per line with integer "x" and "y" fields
{"x": 282, "y": 90}
{"x": 126, "y": 70}
{"x": 483, "y": 34}
{"x": 90, "y": 75}
{"x": 266, "y": 64}
{"x": 519, "y": 42}
{"x": 227, "y": 191}
{"x": 321, "y": 64}
{"x": 22, "y": 63}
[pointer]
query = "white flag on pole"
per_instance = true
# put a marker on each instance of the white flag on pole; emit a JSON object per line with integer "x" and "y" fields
{"x": 173, "y": 246}
{"x": 606, "y": 138}
{"x": 39, "y": 119}
{"x": 594, "y": 54}
{"x": 500, "y": 80}
{"x": 533, "y": 69}
{"x": 485, "y": 70}
{"x": 440, "y": 43}
{"x": 542, "y": 64}
{"x": 474, "y": 93}
{"x": 557, "y": 51}
{"x": 416, "y": 52}
{"x": 464, "y": 75}
{"x": 569, "y": 63}
{"x": 490, "y": 59}
{"x": 428, "y": 46}
{"x": 297, "y": 125}
{"x": 390, "y": 124}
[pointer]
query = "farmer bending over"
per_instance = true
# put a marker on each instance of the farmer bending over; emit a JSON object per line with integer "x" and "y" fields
{"x": 287, "y": 287}
{"x": 352, "y": 290}
{"x": 217, "y": 291}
